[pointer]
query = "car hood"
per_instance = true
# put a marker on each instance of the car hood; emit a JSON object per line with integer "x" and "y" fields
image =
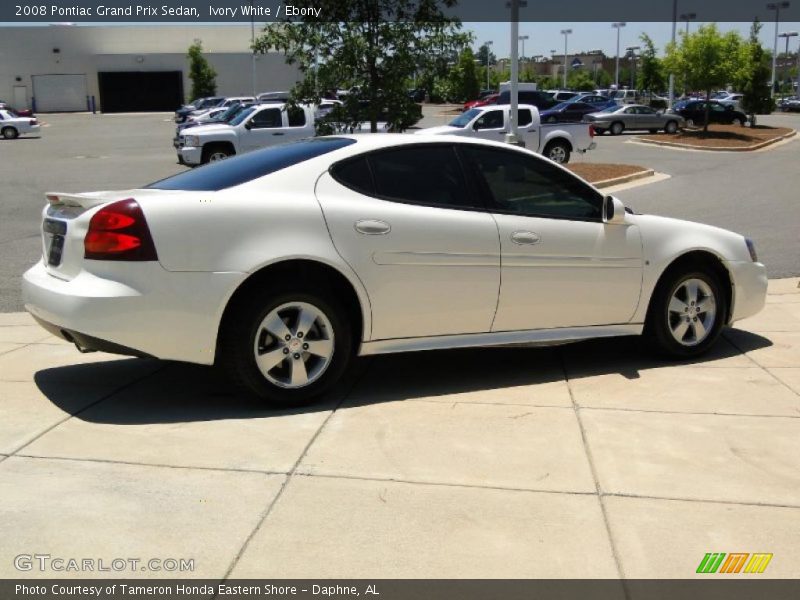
{"x": 211, "y": 129}
{"x": 441, "y": 130}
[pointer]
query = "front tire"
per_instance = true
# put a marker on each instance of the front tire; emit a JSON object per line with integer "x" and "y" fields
{"x": 10, "y": 133}
{"x": 671, "y": 127}
{"x": 738, "y": 122}
{"x": 289, "y": 347}
{"x": 557, "y": 151}
{"x": 215, "y": 153}
{"x": 687, "y": 313}
{"x": 617, "y": 128}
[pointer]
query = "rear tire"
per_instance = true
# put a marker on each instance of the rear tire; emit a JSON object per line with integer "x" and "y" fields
{"x": 687, "y": 313}
{"x": 738, "y": 122}
{"x": 599, "y": 131}
{"x": 557, "y": 151}
{"x": 617, "y": 128}
{"x": 671, "y": 127}
{"x": 287, "y": 372}
{"x": 10, "y": 133}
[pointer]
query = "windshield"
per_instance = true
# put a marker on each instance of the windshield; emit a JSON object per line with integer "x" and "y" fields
{"x": 229, "y": 114}
{"x": 464, "y": 118}
{"x": 242, "y": 115}
{"x": 560, "y": 106}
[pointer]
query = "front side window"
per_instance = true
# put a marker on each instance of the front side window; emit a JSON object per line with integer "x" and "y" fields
{"x": 267, "y": 119}
{"x": 490, "y": 120}
{"x": 527, "y": 185}
{"x": 429, "y": 175}
{"x": 464, "y": 118}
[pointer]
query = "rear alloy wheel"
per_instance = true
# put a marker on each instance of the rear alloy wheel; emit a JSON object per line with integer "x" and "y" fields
{"x": 671, "y": 127}
{"x": 10, "y": 133}
{"x": 687, "y": 314}
{"x": 289, "y": 349}
{"x": 558, "y": 152}
{"x": 617, "y": 128}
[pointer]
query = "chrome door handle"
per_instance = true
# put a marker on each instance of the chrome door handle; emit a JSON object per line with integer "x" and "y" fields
{"x": 525, "y": 237}
{"x": 372, "y": 227}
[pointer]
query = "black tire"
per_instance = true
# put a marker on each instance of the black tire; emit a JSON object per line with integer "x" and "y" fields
{"x": 237, "y": 354}
{"x": 653, "y": 130}
{"x": 671, "y": 127}
{"x": 599, "y": 131}
{"x": 212, "y": 150}
{"x": 737, "y": 121}
{"x": 558, "y": 151}
{"x": 9, "y": 133}
{"x": 657, "y": 327}
{"x": 617, "y": 127}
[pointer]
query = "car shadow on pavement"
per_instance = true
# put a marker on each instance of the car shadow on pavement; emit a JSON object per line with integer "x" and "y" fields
{"x": 179, "y": 392}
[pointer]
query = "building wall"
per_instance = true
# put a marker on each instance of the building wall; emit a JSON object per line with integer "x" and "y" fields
{"x": 29, "y": 51}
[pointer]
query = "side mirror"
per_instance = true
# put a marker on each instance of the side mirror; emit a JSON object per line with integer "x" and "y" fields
{"x": 613, "y": 210}
{"x": 476, "y": 125}
{"x": 248, "y": 125}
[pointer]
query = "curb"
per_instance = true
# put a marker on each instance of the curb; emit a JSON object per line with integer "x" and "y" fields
{"x": 718, "y": 149}
{"x": 603, "y": 183}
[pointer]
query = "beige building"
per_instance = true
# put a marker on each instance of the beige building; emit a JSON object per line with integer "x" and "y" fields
{"x": 127, "y": 68}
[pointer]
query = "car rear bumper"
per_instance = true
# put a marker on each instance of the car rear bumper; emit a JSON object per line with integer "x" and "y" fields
{"x": 142, "y": 310}
{"x": 749, "y": 288}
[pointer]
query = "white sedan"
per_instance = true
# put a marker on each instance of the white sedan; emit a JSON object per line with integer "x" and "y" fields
{"x": 12, "y": 125}
{"x": 285, "y": 263}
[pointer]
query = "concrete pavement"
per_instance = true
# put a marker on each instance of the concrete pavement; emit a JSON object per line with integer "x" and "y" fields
{"x": 583, "y": 461}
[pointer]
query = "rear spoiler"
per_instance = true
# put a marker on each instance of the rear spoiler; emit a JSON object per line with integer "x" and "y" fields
{"x": 87, "y": 200}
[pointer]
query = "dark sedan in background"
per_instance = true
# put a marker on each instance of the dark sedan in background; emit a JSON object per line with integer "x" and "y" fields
{"x": 694, "y": 112}
{"x": 568, "y": 111}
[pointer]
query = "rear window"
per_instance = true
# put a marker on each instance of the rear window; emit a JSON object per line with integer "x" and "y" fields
{"x": 241, "y": 169}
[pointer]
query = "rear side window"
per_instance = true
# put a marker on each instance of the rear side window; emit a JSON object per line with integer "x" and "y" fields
{"x": 241, "y": 169}
{"x": 524, "y": 117}
{"x": 297, "y": 116}
{"x": 354, "y": 174}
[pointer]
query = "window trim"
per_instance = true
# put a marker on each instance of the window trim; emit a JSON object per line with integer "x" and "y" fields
{"x": 475, "y": 197}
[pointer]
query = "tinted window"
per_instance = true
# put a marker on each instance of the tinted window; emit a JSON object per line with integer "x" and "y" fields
{"x": 464, "y": 118}
{"x": 524, "y": 117}
{"x": 355, "y": 174}
{"x": 297, "y": 116}
{"x": 241, "y": 169}
{"x": 490, "y": 120}
{"x": 527, "y": 185}
{"x": 267, "y": 119}
{"x": 420, "y": 174}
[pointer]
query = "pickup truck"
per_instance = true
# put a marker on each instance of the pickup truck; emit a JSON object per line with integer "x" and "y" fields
{"x": 255, "y": 127}
{"x": 555, "y": 141}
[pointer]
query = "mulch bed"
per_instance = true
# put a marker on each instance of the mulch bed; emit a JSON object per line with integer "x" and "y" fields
{"x": 594, "y": 172}
{"x": 723, "y": 136}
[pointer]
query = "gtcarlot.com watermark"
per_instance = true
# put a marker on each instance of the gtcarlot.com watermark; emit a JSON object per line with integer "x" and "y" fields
{"x": 45, "y": 563}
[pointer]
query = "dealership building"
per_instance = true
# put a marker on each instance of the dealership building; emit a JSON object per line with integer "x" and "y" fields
{"x": 67, "y": 67}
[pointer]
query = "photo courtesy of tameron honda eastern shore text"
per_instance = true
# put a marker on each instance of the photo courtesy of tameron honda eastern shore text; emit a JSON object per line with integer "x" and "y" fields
{"x": 285, "y": 263}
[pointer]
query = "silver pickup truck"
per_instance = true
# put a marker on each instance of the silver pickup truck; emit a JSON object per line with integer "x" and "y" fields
{"x": 556, "y": 141}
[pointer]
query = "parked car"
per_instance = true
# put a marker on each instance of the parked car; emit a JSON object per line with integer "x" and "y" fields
{"x": 694, "y": 112}
{"x": 567, "y": 112}
{"x": 274, "y": 97}
{"x": 556, "y": 142}
{"x": 214, "y": 116}
{"x": 255, "y": 127}
{"x": 539, "y": 99}
{"x": 284, "y": 264}
{"x": 13, "y": 126}
{"x": 485, "y": 101}
{"x": 626, "y": 96}
{"x": 417, "y": 94}
{"x": 789, "y": 104}
{"x": 20, "y": 112}
{"x": 600, "y": 101}
{"x": 207, "y": 102}
{"x": 561, "y": 95}
{"x": 617, "y": 119}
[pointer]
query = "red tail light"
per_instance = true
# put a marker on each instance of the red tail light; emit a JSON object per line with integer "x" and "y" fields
{"x": 591, "y": 130}
{"x": 33, "y": 122}
{"x": 119, "y": 231}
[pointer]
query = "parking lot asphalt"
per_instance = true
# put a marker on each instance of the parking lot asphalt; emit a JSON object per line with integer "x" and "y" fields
{"x": 755, "y": 194}
{"x": 583, "y": 461}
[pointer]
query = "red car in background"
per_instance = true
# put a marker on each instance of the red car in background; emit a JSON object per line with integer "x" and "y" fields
{"x": 25, "y": 112}
{"x": 485, "y": 101}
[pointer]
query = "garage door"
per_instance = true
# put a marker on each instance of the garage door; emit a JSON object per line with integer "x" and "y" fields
{"x": 140, "y": 91}
{"x": 59, "y": 93}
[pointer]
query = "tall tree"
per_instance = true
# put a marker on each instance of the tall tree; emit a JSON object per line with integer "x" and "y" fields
{"x": 374, "y": 45}
{"x": 202, "y": 74}
{"x": 708, "y": 59}
{"x": 468, "y": 85}
{"x": 651, "y": 71}
{"x": 755, "y": 76}
{"x": 483, "y": 52}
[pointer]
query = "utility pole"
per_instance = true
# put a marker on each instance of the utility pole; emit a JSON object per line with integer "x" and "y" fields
{"x": 632, "y": 52}
{"x": 672, "y": 75}
{"x": 488, "y": 45}
{"x": 565, "y": 33}
{"x": 688, "y": 17}
{"x": 776, "y": 6}
{"x": 252, "y": 47}
{"x": 511, "y": 135}
{"x": 617, "y": 26}
{"x": 787, "y": 35}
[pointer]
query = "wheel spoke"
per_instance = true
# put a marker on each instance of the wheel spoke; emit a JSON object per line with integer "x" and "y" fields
{"x": 275, "y": 325}
{"x": 305, "y": 320}
{"x": 269, "y": 360}
{"x": 691, "y": 292}
{"x": 679, "y": 331}
{"x": 678, "y": 306}
{"x": 323, "y": 348}
{"x": 707, "y": 305}
{"x": 299, "y": 373}
{"x": 699, "y": 329}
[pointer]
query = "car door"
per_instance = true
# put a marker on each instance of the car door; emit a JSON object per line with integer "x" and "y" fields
{"x": 418, "y": 238}
{"x": 631, "y": 119}
{"x": 263, "y": 128}
{"x": 491, "y": 125}
{"x": 562, "y": 266}
{"x": 649, "y": 117}
{"x": 295, "y": 124}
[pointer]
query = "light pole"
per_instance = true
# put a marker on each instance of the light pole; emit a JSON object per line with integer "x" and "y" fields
{"x": 631, "y": 50}
{"x": 488, "y": 45}
{"x": 617, "y": 26}
{"x": 688, "y": 17}
{"x": 672, "y": 75}
{"x": 514, "y": 5}
{"x": 787, "y": 35}
{"x": 776, "y": 6}
{"x": 252, "y": 47}
{"x": 522, "y": 39}
{"x": 565, "y": 33}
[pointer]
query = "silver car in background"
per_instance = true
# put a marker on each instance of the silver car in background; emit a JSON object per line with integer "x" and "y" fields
{"x": 617, "y": 119}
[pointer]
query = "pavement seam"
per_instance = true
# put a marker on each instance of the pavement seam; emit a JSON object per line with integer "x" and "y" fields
{"x": 598, "y": 487}
{"x": 701, "y": 500}
{"x": 271, "y": 505}
{"x": 10, "y": 350}
{"x": 759, "y": 365}
{"x": 87, "y": 407}
{"x": 683, "y": 412}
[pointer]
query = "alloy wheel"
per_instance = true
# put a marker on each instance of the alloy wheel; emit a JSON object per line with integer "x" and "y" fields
{"x": 294, "y": 345}
{"x": 557, "y": 154}
{"x": 692, "y": 312}
{"x": 216, "y": 156}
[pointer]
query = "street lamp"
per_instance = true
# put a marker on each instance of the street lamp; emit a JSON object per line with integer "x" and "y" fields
{"x": 253, "y": 47}
{"x": 787, "y": 35}
{"x": 776, "y": 6}
{"x": 688, "y": 17}
{"x": 631, "y": 51}
{"x": 522, "y": 39}
{"x": 565, "y": 33}
{"x": 487, "y": 44}
{"x": 617, "y": 26}
{"x": 671, "y": 74}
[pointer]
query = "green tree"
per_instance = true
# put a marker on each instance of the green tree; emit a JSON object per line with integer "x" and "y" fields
{"x": 650, "y": 74}
{"x": 580, "y": 81}
{"x": 603, "y": 79}
{"x": 481, "y": 54}
{"x": 202, "y": 74}
{"x": 373, "y": 44}
{"x": 755, "y": 76}
{"x": 708, "y": 59}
